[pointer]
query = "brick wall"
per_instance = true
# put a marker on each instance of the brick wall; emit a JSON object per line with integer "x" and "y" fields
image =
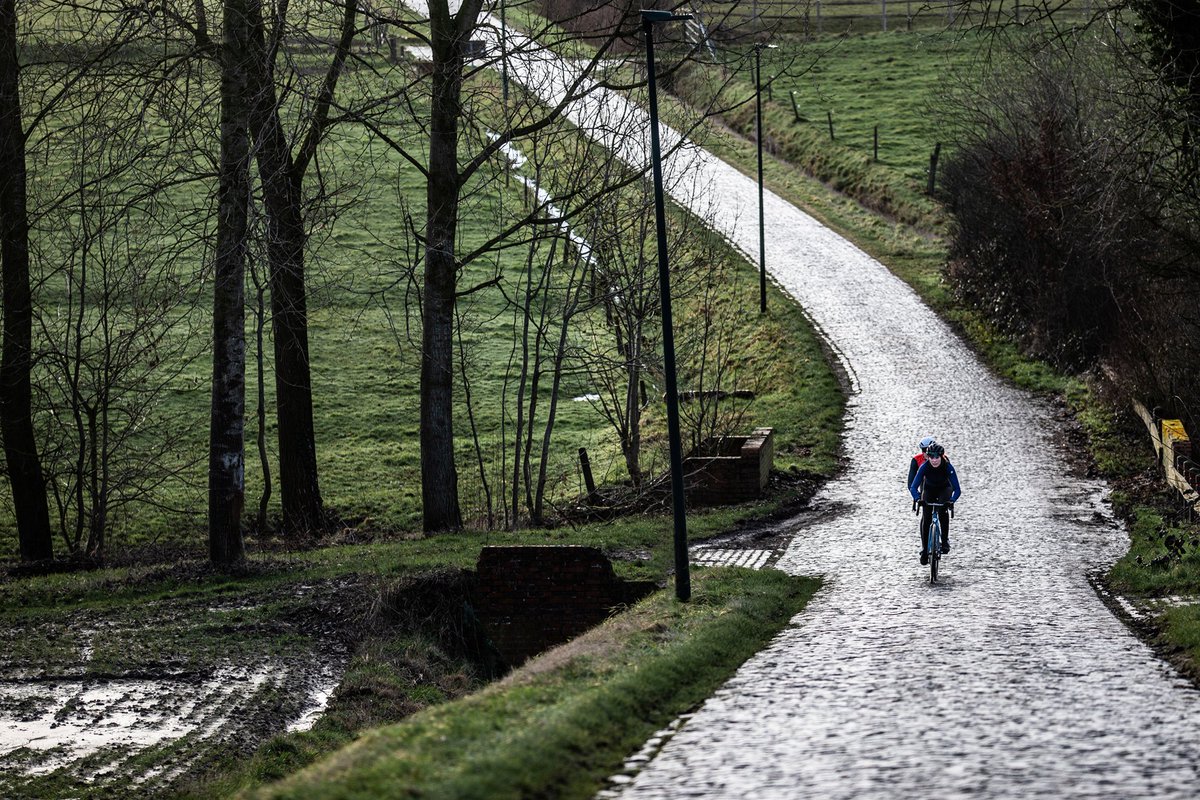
{"x": 736, "y": 472}
{"x": 532, "y": 598}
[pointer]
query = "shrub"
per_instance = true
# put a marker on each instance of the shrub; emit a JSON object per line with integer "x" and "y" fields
{"x": 1061, "y": 236}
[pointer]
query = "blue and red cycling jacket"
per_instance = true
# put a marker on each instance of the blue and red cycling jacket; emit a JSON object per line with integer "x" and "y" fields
{"x": 935, "y": 481}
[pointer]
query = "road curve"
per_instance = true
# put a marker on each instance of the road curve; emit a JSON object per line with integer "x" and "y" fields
{"x": 1009, "y": 678}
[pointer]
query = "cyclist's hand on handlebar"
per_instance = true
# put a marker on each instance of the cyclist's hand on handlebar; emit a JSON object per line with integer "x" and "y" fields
{"x": 914, "y": 506}
{"x": 950, "y": 506}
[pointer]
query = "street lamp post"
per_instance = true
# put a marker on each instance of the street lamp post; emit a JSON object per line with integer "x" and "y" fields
{"x": 503, "y": 56}
{"x": 683, "y": 584}
{"x": 762, "y": 233}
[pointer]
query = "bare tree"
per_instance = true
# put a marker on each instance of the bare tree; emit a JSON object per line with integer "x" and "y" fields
{"x": 453, "y": 172}
{"x": 117, "y": 293}
{"x": 707, "y": 339}
{"x": 547, "y": 300}
{"x": 16, "y": 421}
{"x": 617, "y": 351}
{"x": 282, "y": 170}
{"x": 227, "y": 447}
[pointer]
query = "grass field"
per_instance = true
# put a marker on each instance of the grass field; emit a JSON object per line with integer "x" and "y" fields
{"x": 884, "y": 81}
{"x": 364, "y": 339}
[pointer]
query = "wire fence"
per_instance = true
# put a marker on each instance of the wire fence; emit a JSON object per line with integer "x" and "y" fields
{"x": 821, "y": 17}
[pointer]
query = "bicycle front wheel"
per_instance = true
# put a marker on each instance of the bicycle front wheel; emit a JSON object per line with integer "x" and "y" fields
{"x": 934, "y": 557}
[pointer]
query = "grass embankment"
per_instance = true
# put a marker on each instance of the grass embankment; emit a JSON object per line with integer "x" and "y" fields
{"x": 895, "y": 77}
{"x": 392, "y": 608}
{"x": 559, "y": 726}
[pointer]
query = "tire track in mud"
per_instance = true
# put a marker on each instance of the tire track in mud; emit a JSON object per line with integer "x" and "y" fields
{"x": 136, "y": 695}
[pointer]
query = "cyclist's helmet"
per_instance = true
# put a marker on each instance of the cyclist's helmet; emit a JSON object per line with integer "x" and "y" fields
{"x": 924, "y": 443}
{"x": 935, "y": 450}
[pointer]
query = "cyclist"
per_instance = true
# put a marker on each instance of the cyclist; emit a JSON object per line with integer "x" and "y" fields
{"x": 918, "y": 459}
{"x": 935, "y": 482}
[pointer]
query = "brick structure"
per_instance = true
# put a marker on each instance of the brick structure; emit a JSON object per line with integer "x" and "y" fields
{"x": 731, "y": 469}
{"x": 531, "y": 598}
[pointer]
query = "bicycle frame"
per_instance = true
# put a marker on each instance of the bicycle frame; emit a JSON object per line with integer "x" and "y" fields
{"x": 933, "y": 539}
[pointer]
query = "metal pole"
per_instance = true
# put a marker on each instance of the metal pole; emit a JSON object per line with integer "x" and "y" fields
{"x": 683, "y": 587}
{"x": 762, "y": 235}
{"x": 503, "y": 56}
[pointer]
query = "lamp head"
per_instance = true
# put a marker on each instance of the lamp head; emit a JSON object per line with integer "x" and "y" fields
{"x": 653, "y": 15}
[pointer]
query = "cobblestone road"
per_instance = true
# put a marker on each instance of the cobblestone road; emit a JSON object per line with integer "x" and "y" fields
{"x": 1009, "y": 678}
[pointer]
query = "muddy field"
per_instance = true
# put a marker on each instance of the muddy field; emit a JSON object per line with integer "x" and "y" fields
{"x": 155, "y": 691}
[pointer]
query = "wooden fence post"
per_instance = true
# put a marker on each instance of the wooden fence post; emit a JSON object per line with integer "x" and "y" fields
{"x": 586, "y": 465}
{"x": 829, "y": 114}
{"x": 876, "y": 144}
{"x": 795, "y": 108}
{"x": 933, "y": 160}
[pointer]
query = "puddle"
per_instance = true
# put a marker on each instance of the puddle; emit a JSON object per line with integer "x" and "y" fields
{"x": 91, "y": 726}
{"x": 319, "y": 696}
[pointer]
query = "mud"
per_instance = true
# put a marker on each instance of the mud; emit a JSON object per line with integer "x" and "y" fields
{"x": 154, "y": 693}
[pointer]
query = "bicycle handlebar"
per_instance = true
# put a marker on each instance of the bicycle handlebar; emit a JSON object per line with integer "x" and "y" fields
{"x": 949, "y": 506}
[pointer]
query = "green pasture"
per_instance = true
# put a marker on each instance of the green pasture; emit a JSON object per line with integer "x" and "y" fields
{"x": 363, "y": 276}
{"x": 816, "y": 18}
{"x": 885, "y": 82}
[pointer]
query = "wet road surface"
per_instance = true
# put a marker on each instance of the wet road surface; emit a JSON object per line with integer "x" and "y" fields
{"x": 1009, "y": 678}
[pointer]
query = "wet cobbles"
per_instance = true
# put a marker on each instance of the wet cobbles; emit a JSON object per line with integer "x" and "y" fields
{"x": 714, "y": 557}
{"x": 1008, "y": 678}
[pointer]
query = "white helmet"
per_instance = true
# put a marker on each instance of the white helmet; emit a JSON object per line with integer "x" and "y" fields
{"x": 928, "y": 440}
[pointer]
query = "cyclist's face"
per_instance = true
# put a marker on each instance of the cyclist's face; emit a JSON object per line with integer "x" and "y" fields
{"x": 935, "y": 461}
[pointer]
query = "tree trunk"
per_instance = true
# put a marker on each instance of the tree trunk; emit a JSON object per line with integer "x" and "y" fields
{"x": 227, "y": 457}
{"x": 299, "y": 489}
{"x": 16, "y": 421}
{"x": 259, "y": 324}
{"x": 519, "y": 428}
{"x": 439, "y": 477}
{"x": 282, "y": 177}
{"x": 298, "y": 485}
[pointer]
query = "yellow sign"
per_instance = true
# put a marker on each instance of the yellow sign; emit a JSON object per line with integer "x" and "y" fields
{"x": 1172, "y": 431}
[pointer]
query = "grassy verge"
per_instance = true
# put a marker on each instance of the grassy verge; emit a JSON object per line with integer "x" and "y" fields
{"x": 563, "y": 723}
{"x": 1163, "y": 562}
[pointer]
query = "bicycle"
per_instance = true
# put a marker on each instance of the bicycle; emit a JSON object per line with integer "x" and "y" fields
{"x": 933, "y": 539}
